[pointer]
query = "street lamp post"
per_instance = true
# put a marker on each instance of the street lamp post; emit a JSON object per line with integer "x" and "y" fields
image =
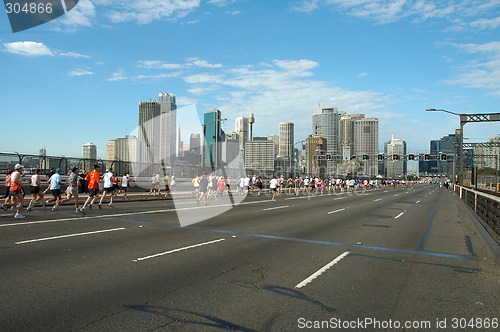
{"x": 465, "y": 118}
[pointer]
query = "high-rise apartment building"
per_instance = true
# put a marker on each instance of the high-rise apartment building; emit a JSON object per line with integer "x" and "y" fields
{"x": 325, "y": 123}
{"x": 259, "y": 156}
{"x": 121, "y": 154}
{"x": 366, "y": 143}
{"x": 89, "y": 156}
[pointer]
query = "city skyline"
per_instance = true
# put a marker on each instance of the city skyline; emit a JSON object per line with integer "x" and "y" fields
{"x": 277, "y": 60}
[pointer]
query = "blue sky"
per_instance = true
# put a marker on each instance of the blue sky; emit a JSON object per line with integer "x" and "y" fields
{"x": 80, "y": 78}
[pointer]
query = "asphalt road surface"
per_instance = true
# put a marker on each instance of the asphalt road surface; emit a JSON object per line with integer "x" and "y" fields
{"x": 404, "y": 259}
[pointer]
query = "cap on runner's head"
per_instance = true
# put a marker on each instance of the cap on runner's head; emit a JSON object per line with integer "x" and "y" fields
{"x": 96, "y": 166}
{"x": 18, "y": 166}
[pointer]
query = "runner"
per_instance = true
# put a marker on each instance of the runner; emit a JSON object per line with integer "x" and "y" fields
{"x": 273, "y": 185}
{"x": 172, "y": 183}
{"x": 125, "y": 185}
{"x": 7, "y": 189}
{"x": 72, "y": 189}
{"x": 55, "y": 186}
{"x": 16, "y": 192}
{"x": 166, "y": 181}
{"x": 93, "y": 177}
{"x": 203, "y": 190}
{"x": 109, "y": 187}
{"x": 35, "y": 189}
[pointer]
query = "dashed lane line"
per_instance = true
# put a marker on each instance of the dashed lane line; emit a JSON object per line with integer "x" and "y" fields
{"x": 322, "y": 270}
{"x": 179, "y": 249}
{"x": 71, "y": 235}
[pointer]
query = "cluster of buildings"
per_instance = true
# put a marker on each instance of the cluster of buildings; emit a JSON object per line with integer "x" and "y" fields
{"x": 340, "y": 144}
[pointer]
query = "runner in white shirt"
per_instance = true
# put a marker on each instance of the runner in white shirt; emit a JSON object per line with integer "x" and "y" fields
{"x": 273, "y": 185}
{"x": 109, "y": 187}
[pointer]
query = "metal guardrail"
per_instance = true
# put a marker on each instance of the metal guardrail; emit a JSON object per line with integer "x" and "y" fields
{"x": 485, "y": 206}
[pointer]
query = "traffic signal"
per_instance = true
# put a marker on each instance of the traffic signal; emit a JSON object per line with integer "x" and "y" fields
{"x": 443, "y": 157}
{"x": 411, "y": 157}
{"x": 395, "y": 157}
{"x": 427, "y": 157}
{"x": 380, "y": 157}
{"x": 366, "y": 157}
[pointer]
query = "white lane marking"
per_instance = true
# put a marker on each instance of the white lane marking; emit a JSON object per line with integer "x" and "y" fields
{"x": 71, "y": 235}
{"x": 417, "y": 202}
{"x": 322, "y": 270}
{"x": 396, "y": 195}
{"x": 399, "y": 215}
{"x": 276, "y": 207}
{"x": 378, "y": 199}
{"x": 179, "y": 249}
{"x": 339, "y": 210}
{"x": 336, "y": 199}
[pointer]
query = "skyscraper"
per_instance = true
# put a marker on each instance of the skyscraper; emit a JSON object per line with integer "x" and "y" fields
{"x": 157, "y": 134}
{"x": 241, "y": 128}
{"x": 366, "y": 143}
{"x": 325, "y": 123}
{"x": 346, "y": 134}
{"x": 259, "y": 156}
{"x": 168, "y": 111}
{"x": 213, "y": 136}
{"x": 395, "y": 167}
{"x": 285, "y": 139}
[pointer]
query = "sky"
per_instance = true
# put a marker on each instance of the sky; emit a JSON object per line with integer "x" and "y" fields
{"x": 80, "y": 77}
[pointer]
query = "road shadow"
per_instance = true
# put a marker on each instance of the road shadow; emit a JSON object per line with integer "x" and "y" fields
{"x": 293, "y": 293}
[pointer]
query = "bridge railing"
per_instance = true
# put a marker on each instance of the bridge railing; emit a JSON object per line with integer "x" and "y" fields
{"x": 484, "y": 205}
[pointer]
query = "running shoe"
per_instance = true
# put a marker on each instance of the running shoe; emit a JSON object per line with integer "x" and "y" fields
{"x": 19, "y": 216}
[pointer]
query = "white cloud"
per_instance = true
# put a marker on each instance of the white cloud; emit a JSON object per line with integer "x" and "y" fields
{"x": 28, "y": 48}
{"x": 483, "y": 71}
{"x": 79, "y": 72}
{"x": 202, "y": 63}
{"x": 81, "y": 15}
{"x": 282, "y": 90}
{"x": 118, "y": 76}
{"x": 306, "y": 6}
{"x": 388, "y": 11}
{"x": 147, "y": 11}
{"x": 486, "y": 24}
{"x": 73, "y": 55}
{"x": 155, "y": 64}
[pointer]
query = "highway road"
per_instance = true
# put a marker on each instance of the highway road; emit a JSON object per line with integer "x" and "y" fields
{"x": 407, "y": 259}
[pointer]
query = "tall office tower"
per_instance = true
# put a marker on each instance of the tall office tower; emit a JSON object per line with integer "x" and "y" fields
{"x": 89, "y": 156}
{"x": 195, "y": 142}
{"x": 259, "y": 157}
{"x": 325, "y": 123}
{"x": 394, "y": 167}
{"x": 285, "y": 139}
{"x": 213, "y": 137}
{"x": 241, "y": 128}
{"x": 346, "y": 134}
{"x": 178, "y": 143}
{"x": 168, "y": 111}
{"x": 316, "y": 146}
{"x": 111, "y": 150}
{"x": 149, "y": 132}
{"x": 276, "y": 140}
{"x": 366, "y": 142}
